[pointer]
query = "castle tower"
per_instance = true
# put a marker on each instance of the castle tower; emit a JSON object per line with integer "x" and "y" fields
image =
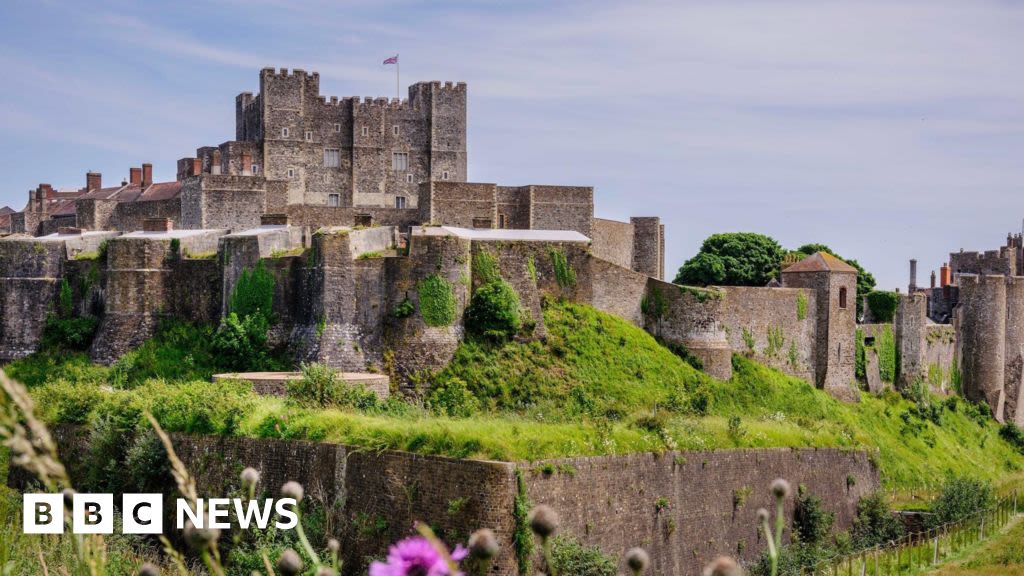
{"x": 982, "y": 317}
{"x": 1013, "y": 372}
{"x": 835, "y": 283}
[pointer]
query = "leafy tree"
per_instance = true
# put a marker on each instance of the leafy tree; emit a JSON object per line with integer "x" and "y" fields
{"x": 811, "y": 522}
{"x": 733, "y": 259}
{"x": 960, "y": 498}
{"x": 865, "y": 279}
{"x": 883, "y": 305}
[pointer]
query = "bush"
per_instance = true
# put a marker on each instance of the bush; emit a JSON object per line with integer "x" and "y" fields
{"x": 960, "y": 498}
{"x": 199, "y": 407}
{"x": 494, "y": 311}
{"x": 452, "y": 398}
{"x": 875, "y": 523}
{"x": 883, "y": 305}
{"x": 1013, "y": 435}
{"x": 241, "y": 342}
{"x": 570, "y": 557}
{"x": 63, "y": 401}
{"x": 320, "y": 387}
{"x": 811, "y": 522}
{"x": 69, "y": 333}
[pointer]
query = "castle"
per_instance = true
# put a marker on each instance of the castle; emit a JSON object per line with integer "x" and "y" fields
{"x": 355, "y": 206}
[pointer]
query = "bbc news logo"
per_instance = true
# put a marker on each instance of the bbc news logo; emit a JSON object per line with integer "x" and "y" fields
{"x": 143, "y": 513}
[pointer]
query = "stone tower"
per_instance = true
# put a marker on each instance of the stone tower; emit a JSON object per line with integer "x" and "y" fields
{"x": 835, "y": 283}
{"x": 341, "y": 152}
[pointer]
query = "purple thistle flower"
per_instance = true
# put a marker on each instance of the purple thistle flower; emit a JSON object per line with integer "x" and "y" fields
{"x": 416, "y": 557}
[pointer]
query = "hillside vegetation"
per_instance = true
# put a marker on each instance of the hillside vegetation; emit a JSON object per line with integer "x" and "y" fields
{"x": 596, "y": 385}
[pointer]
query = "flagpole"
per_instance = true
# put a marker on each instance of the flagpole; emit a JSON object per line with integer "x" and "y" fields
{"x": 398, "y": 91}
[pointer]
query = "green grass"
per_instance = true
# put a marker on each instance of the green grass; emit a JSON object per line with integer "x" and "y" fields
{"x": 1001, "y": 555}
{"x": 596, "y": 385}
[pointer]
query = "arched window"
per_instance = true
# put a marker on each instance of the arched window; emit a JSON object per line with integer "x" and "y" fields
{"x": 842, "y": 297}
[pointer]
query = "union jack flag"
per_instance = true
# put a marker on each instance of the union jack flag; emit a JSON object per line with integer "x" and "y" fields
{"x": 392, "y": 60}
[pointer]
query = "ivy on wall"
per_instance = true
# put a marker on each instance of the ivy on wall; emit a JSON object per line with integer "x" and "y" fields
{"x": 485, "y": 267}
{"x": 860, "y": 361}
{"x": 437, "y": 301}
{"x": 801, "y": 306}
{"x": 885, "y": 345}
{"x": 883, "y": 305}
{"x": 654, "y": 305}
{"x": 254, "y": 293}
{"x": 564, "y": 274}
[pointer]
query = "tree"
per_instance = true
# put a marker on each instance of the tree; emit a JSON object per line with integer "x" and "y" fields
{"x": 865, "y": 279}
{"x": 733, "y": 259}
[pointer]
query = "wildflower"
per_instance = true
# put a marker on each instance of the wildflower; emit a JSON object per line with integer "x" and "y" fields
{"x": 325, "y": 571}
{"x": 250, "y": 477}
{"x": 780, "y": 488}
{"x": 637, "y": 560}
{"x": 333, "y": 545}
{"x": 723, "y": 566}
{"x": 293, "y": 489}
{"x": 543, "y": 521}
{"x": 148, "y": 569}
{"x": 416, "y": 556}
{"x": 762, "y": 515}
{"x": 483, "y": 544}
{"x": 289, "y": 564}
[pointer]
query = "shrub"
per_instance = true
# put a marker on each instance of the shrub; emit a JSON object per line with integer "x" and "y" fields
{"x": 403, "y": 309}
{"x": 452, "y": 398}
{"x": 63, "y": 401}
{"x": 570, "y": 557}
{"x": 437, "y": 301}
{"x": 961, "y": 497}
{"x": 733, "y": 259}
{"x": 883, "y": 305}
{"x": 811, "y": 522}
{"x": 321, "y": 387}
{"x": 198, "y": 407}
{"x": 1013, "y": 436}
{"x": 564, "y": 274}
{"x": 875, "y": 523}
{"x": 69, "y": 333}
{"x": 241, "y": 342}
{"x": 494, "y": 311}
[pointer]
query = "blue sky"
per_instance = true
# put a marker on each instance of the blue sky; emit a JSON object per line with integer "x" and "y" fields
{"x": 888, "y": 130}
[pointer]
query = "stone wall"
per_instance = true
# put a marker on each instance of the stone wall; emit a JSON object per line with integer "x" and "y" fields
{"x": 776, "y": 326}
{"x": 222, "y": 202}
{"x": 613, "y": 241}
{"x": 692, "y": 319}
{"x": 617, "y": 290}
{"x": 128, "y": 216}
{"x": 709, "y": 499}
{"x": 683, "y": 507}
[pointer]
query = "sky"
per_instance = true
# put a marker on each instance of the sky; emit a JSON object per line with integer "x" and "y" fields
{"x": 887, "y": 130}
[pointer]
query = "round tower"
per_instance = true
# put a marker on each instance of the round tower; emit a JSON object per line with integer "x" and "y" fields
{"x": 983, "y": 339}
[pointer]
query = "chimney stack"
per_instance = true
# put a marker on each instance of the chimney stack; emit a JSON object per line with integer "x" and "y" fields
{"x": 135, "y": 176}
{"x": 913, "y": 277}
{"x": 246, "y": 163}
{"x": 933, "y": 279}
{"x": 215, "y": 162}
{"x": 944, "y": 276}
{"x": 147, "y": 175}
{"x": 93, "y": 181}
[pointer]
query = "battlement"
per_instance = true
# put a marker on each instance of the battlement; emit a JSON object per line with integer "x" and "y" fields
{"x": 271, "y": 72}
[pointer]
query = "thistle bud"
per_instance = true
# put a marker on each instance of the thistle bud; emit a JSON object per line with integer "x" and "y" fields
{"x": 723, "y": 566}
{"x": 293, "y": 489}
{"x": 543, "y": 521}
{"x": 200, "y": 538}
{"x": 333, "y": 546}
{"x": 637, "y": 560}
{"x": 780, "y": 488}
{"x": 483, "y": 544}
{"x": 289, "y": 564}
{"x": 250, "y": 477}
{"x": 148, "y": 569}
{"x": 762, "y": 515}
{"x": 325, "y": 571}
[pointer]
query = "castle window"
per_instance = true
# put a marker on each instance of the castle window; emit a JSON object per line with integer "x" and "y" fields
{"x": 501, "y": 220}
{"x": 394, "y": 130}
{"x": 399, "y": 201}
{"x": 337, "y": 126}
{"x": 409, "y": 178}
{"x": 285, "y": 133}
{"x": 365, "y": 131}
{"x": 332, "y": 157}
{"x": 309, "y": 135}
{"x": 842, "y": 297}
{"x": 399, "y": 161}
{"x": 255, "y": 169}
{"x": 334, "y": 200}
{"x": 291, "y": 172}
{"x": 444, "y": 175}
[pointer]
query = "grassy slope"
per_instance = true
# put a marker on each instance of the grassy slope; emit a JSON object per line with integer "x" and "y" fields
{"x": 1000, "y": 556}
{"x": 597, "y": 385}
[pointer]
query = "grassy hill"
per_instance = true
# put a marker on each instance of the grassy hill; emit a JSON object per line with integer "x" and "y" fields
{"x": 596, "y": 385}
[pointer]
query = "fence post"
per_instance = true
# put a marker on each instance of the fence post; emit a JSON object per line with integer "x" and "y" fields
{"x": 935, "y": 556}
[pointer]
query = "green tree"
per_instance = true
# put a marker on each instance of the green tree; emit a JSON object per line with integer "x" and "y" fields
{"x": 733, "y": 259}
{"x": 494, "y": 311}
{"x": 865, "y": 279}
